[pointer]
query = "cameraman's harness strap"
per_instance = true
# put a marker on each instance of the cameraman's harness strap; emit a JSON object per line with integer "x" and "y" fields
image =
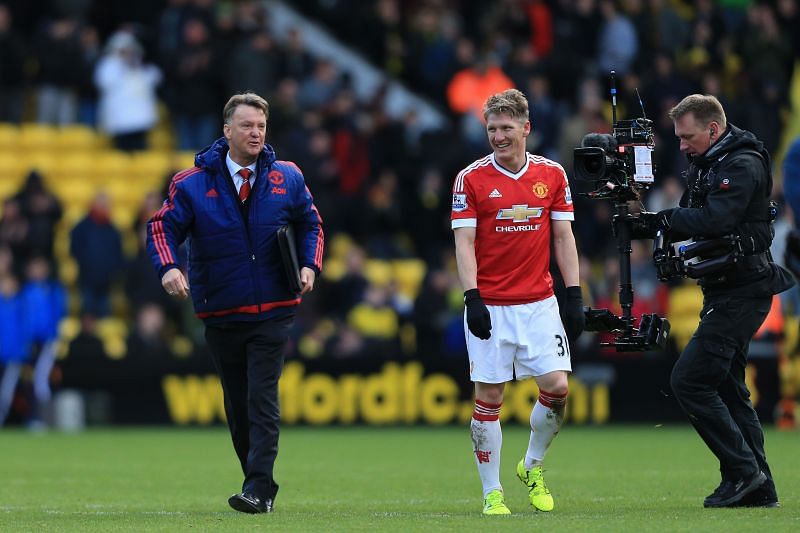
{"x": 761, "y": 259}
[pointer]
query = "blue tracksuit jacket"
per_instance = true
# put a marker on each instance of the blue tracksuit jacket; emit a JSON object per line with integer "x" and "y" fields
{"x": 15, "y": 335}
{"x": 234, "y": 268}
{"x": 45, "y": 304}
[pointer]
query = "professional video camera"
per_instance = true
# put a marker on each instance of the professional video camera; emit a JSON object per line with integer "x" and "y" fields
{"x": 618, "y": 166}
{"x": 611, "y": 161}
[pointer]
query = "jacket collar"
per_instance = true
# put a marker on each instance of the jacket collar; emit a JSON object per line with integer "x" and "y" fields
{"x": 733, "y": 139}
{"x": 212, "y": 157}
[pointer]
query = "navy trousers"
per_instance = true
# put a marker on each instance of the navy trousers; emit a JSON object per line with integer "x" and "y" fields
{"x": 249, "y": 359}
{"x": 709, "y": 383}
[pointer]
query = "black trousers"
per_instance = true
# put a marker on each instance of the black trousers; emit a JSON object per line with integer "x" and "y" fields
{"x": 249, "y": 359}
{"x": 708, "y": 382}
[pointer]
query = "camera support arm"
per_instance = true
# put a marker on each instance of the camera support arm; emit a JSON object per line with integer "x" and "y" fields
{"x": 653, "y": 330}
{"x": 622, "y": 229}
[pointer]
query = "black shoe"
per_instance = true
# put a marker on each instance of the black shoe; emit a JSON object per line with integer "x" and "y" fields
{"x": 723, "y": 487}
{"x": 763, "y": 496}
{"x": 250, "y": 503}
{"x": 730, "y": 493}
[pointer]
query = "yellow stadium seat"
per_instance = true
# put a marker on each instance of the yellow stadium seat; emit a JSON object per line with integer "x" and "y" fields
{"x": 339, "y": 245}
{"x": 75, "y": 192}
{"x": 151, "y": 166}
{"x": 380, "y": 322}
{"x": 43, "y": 161}
{"x": 685, "y": 304}
{"x": 791, "y": 330}
{"x": 686, "y": 299}
{"x": 73, "y": 213}
{"x": 7, "y": 188}
{"x": 113, "y": 332}
{"x": 183, "y": 160}
{"x": 79, "y": 195}
{"x": 111, "y": 326}
{"x": 181, "y": 346}
{"x": 37, "y": 137}
{"x": 76, "y": 138}
{"x": 333, "y": 269}
{"x": 408, "y": 273}
{"x": 378, "y": 272}
{"x": 74, "y": 165}
{"x": 61, "y": 242}
{"x": 111, "y": 165}
{"x": 160, "y": 139}
{"x": 68, "y": 328}
{"x": 68, "y": 271}
{"x": 12, "y": 169}
{"x": 9, "y": 136}
{"x": 130, "y": 239}
{"x": 122, "y": 218}
{"x": 103, "y": 141}
{"x": 126, "y": 192}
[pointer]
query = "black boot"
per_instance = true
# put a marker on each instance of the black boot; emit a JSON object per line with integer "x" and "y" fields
{"x": 731, "y": 492}
{"x": 763, "y": 496}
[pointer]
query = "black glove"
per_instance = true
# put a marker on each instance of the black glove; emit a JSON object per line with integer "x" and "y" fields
{"x": 656, "y": 221}
{"x": 478, "y": 320}
{"x": 639, "y": 228}
{"x": 574, "y": 319}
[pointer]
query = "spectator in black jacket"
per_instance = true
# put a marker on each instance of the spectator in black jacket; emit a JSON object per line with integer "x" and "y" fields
{"x": 193, "y": 87}
{"x": 59, "y": 53}
{"x": 97, "y": 247}
{"x": 42, "y": 210}
{"x": 12, "y": 59}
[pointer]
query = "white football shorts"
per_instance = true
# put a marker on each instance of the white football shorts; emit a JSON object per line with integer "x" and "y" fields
{"x": 527, "y": 340}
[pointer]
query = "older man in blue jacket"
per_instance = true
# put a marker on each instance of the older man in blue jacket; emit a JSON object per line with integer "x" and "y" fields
{"x": 230, "y": 206}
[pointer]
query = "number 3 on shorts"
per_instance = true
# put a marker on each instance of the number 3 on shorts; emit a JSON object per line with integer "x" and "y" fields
{"x": 563, "y": 346}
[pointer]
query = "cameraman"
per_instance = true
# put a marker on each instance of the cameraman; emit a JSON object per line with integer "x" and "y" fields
{"x": 729, "y": 183}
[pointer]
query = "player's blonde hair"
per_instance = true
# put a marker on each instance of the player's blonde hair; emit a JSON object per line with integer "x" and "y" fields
{"x": 705, "y": 108}
{"x": 510, "y": 102}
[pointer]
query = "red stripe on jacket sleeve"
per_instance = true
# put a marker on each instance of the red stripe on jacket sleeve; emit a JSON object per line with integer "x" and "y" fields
{"x": 157, "y": 231}
{"x": 320, "y": 246}
{"x": 157, "y": 222}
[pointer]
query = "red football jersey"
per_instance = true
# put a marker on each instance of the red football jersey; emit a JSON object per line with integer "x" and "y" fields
{"x": 511, "y": 213}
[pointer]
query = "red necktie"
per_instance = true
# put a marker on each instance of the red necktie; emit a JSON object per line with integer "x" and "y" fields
{"x": 244, "y": 190}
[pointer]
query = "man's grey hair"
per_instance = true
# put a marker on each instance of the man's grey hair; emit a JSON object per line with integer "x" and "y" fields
{"x": 250, "y": 99}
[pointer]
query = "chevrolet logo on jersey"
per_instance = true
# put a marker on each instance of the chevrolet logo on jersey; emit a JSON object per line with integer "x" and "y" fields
{"x": 520, "y": 213}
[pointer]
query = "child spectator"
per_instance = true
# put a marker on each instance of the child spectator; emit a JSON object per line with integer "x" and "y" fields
{"x": 14, "y": 341}
{"x": 45, "y": 304}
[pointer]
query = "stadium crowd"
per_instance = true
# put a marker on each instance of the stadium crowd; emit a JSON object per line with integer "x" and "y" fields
{"x": 139, "y": 72}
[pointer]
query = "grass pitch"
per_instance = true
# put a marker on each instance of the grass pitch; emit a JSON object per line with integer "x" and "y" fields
{"x": 615, "y": 478}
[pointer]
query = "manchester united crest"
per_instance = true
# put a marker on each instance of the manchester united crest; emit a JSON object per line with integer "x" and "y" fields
{"x": 540, "y": 189}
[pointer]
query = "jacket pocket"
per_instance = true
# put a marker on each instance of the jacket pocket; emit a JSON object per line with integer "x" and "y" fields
{"x": 198, "y": 284}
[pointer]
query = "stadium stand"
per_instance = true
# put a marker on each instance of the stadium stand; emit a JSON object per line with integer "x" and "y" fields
{"x": 383, "y": 128}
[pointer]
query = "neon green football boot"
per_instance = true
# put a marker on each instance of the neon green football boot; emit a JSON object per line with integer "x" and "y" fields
{"x": 494, "y": 503}
{"x": 538, "y": 492}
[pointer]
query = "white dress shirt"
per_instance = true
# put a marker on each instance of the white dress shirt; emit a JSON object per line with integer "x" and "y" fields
{"x": 234, "y": 168}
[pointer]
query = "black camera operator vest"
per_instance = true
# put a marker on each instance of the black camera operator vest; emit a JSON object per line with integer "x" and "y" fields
{"x": 755, "y": 229}
{"x": 738, "y": 158}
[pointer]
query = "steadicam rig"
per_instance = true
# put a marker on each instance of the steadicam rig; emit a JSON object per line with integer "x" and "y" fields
{"x": 618, "y": 166}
